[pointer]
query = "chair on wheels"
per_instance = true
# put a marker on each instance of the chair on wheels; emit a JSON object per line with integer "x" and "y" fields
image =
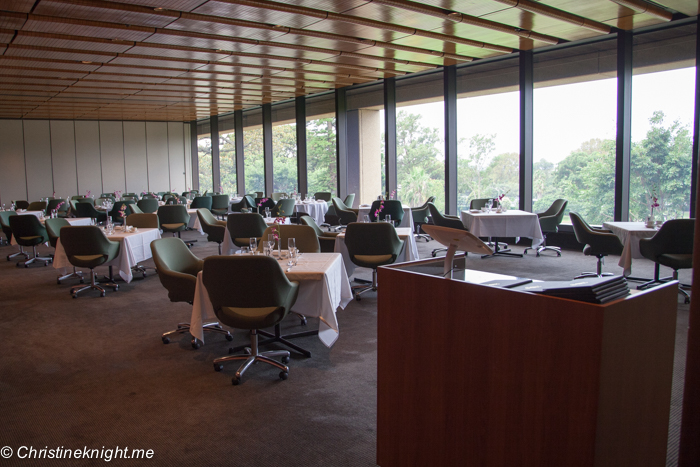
{"x": 214, "y": 228}
{"x": 392, "y": 207}
{"x": 549, "y": 223}
{"x": 241, "y": 227}
{"x": 88, "y": 210}
{"x": 246, "y": 202}
{"x": 21, "y": 204}
{"x": 53, "y": 229}
{"x": 441, "y": 220}
{"x": 177, "y": 270}
{"x": 326, "y": 240}
{"x": 345, "y": 215}
{"x": 228, "y": 281}
{"x": 28, "y": 231}
{"x": 7, "y": 230}
{"x": 37, "y": 206}
{"x": 323, "y": 195}
{"x": 142, "y": 220}
{"x": 420, "y": 216}
{"x": 599, "y": 243}
{"x": 349, "y": 200}
{"x": 283, "y": 208}
{"x": 87, "y": 247}
{"x": 672, "y": 246}
{"x": 278, "y": 196}
{"x": 54, "y": 203}
{"x": 116, "y": 212}
{"x": 219, "y": 205}
{"x": 371, "y": 245}
{"x": 173, "y": 218}
{"x": 200, "y": 202}
{"x": 148, "y": 205}
{"x": 306, "y": 240}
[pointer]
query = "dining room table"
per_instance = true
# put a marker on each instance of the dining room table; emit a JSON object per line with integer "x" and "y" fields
{"x": 495, "y": 224}
{"x": 323, "y": 288}
{"x": 630, "y": 233}
{"x": 134, "y": 247}
{"x": 229, "y": 248}
{"x": 409, "y": 252}
{"x": 317, "y": 209}
{"x": 407, "y": 220}
{"x": 194, "y": 223}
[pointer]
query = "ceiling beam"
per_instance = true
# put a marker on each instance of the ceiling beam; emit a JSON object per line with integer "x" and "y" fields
{"x": 556, "y": 13}
{"x": 642, "y": 6}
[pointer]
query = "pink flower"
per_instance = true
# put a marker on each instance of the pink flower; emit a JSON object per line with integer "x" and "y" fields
{"x": 262, "y": 201}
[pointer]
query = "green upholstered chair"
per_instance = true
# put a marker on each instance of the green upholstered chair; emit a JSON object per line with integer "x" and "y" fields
{"x": 143, "y": 220}
{"x": 241, "y": 227}
{"x": 392, "y": 207}
{"x": 278, "y": 196}
{"x": 148, "y": 205}
{"x": 173, "y": 218}
{"x": 135, "y": 209}
{"x": 53, "y": 229}
{"x": 370, "y": 245}
{"x": 88, "y": 210}
{"x": 598, "y": 242}
{"x": 326, "y": 240}
{"x": 21, "y": 204}
{"x": 167, "y": 196}
{"x": 259, "y": 194}
{"x": 77, "y": 196}
{"x": 305, "y": 237}
{"x": 161, "y": 193}
{"x": 228, "y": 281}
{"x": 150, "y": 196}
{"x": 177, "y": 271}
{"x": 672, "y": 246}
{"x": 441, "y": 220}
{"x": 349, "y": 200}
{"x": 323, "y": 195}
{"x": 37, "y": 206}
{"x": 262, "y": 203}
{"x": 246, "y": 202}
{"x": 549, "y": 223}
{"x": 219, "y": 205}
{"x": 283, "y": 208}
{"x": 345, "y": 215}
{"x": 28, "y": 231}
{"x": 86, "y": 200}
{"x": 200, "y": 202}
{"x": 87, "y": 246}
{"x": 54, "y": 203}
{"x": 420, "y": 216}
{"x": 131, "y": 195}
{"x": 115, "y": 213}
{"x": 214, "y": 228}
{"x": 6, "y": 229}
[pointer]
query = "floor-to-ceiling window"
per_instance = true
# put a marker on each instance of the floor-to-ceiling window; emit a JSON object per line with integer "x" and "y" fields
{"x": 575, "y": 112}
{"x": 253, "y": 161}
{"x": 488, "y": 133}
{"x": 321, "y": 160}
{"x": 663, "y": 90}
{"x": 227, "y": 154}
{"x": 284, "y": 148}
{"x": 204, "y": 156}
{"x": 420, "y": 140}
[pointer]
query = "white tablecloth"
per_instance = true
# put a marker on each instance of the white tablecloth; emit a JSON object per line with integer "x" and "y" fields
{"x": 229, "y": 248}
{"x": 629, "y": 234}
{"x": 134, "y": 247}
{"x": 409, "y": 252}
{"x": 513, "y": 223}
{"x": 194, "y": 221}
{"x": 317, "y": 210}
{"x": 407, "y": 220}
{"x": 232, "y": 201}
{"x": 323, "y": 287}
{"x": 71, "y": 221}
{"x": 38, "y": 214}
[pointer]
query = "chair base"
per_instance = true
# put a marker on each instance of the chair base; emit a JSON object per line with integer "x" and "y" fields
{"x": 663, "y": 280}
{"x": 599, "y": 270}
{"x": 282, "y": 339}
{"x": 540, "y": 249}
{"x": 75, "y": 274}
{"x": 21, "y": 252}
{"x": 74, "y": 291}
{"x": 251, "y": 356}
{"x": 358, "y": 290}
{"x": 36, "y": 258}
{"x": 182, "y": 328}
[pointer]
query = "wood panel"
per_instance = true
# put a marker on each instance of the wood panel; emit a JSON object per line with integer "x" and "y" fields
{"x": 112, "y": 155}
{"x": 37, "y": 154}
{"x": 176, "y": 156}
{"x": 135, "y": 157}
{"x": 87, "y": 156}
{"x": 65, "y": 176}
{"x": 13, "y": 180}
{"x": 157, "y": 150}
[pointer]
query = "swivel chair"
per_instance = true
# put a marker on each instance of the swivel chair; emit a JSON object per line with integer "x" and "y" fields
{"x": 345, "y": 215}
{"x": 349, "y": 200}
{"x": 28, "y": 231}
{"x": 148, "y": 205}
{"x": 326, "y": 240}
{"x": 599, "y": 243}
{"x": 420, "y": 216}
{"x": 54, "y": 203}
{"x": 391, "y": 207}
{"x": 214, "y": 228}
{"x": 246, "y": 202}
{"x": 83, "y": 209}
{"x": 219, "y": 205}
{"x": 37, "y": 206}
{"x": 200, "y": 202}
{"x": 549, "y": 223}
{"x": 21, "y": 204}
{"x": 241, "y": 227}
{"x": 7, "y": 230}
{"x": 323, "y": 195}
{"x": 283, "y": 208}
{"x": 174, "y": 219}
{"x": 305, "y": 237}
{"x": 53, "y": 229}
{"x": 441, "y": 220}
{"x": 87, "y": 247}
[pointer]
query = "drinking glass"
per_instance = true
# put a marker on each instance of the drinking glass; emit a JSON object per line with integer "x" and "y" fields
{"x": 489, "y": 204}
{"x": 366, "y": 218}
{"x": 267, "y": 212}
{"x": 387, "y": 218}
{"x": 244, "y": 250}
{"x": 291, "y": 244}
{"x": 253, "y": 244}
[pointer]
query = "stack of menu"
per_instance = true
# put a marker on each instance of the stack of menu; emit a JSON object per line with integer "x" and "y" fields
{"x": 590, "y": 289}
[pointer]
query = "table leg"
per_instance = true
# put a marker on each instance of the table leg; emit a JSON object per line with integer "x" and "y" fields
{"x": 499, "y": 252}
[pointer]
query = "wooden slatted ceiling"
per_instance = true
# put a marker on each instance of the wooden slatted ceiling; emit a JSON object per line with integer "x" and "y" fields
{"x": 187, "y": 59}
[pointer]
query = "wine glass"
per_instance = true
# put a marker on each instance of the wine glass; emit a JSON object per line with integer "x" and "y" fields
{"x": 291, "y": 244}
{"x": 253, "y": 244}
{"x": 387, "y": 218}
{"x": 366, "y": 218}
{"x": 267, "y": 212}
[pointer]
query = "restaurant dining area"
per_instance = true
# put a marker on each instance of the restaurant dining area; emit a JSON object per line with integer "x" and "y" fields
{"x": 357, "y": 233}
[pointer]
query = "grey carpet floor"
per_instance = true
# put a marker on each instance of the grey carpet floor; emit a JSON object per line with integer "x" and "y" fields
{"x": 92, "y": 372}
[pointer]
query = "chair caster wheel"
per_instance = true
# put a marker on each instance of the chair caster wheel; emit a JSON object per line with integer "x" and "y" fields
{"x": 166, "y": 340}
{"x": 229, "y": 337}
{"x": 58, "y": 281}
{"x": 433, "y": 254}
{"x": 687, "y": 300}
{"x": 358, "y": 298}
{"x": 82, "y": 281}
{"x": 284, "y": 375}
{"x": 218, "y": 367}
{"x": 102, "y": 294}
{"x": 196, "y": 343}
{"x": 285, "y": 360}
{"x": 236, "y": 381}
{"x": 303, "y": 322}
{"x": 18, "y": 265}
{"x": 75, "y": 295}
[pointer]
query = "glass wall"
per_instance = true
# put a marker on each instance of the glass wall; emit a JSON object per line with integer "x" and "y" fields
{"x": 663, "y": 92}
{"x": 284, "y": 148}
{"x": 488, "y": 133}
{"x": 253, "y": 161}
{"x": 321, "y": 160}
{"x": 420, "y": 140}
{"x": 575, "y": 112}
{"x": 204, "y": 157}
{"x": 227, "y": 154}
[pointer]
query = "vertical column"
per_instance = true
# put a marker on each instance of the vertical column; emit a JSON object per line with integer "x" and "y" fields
{"x": 215, "y": 163}
{"x": 624, "y": 125}
{"x": 450, "y": 79}
{"x": 390, "y": 134}
{"x": 341, "y": 140}
{"x": 302, "y": 172}
{"x": 194, "y": 150}
{"x": 526, "y": 135}
{"x": 696, "y": 130}
{"x": 267, "y": 146}
{"x": 240, "y": 166}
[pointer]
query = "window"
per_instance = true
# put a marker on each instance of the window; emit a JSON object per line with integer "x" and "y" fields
{"x": 284, "y": 148}
{"x": 253, "y": 160}
{"x": 227, "y": 154}
{"x": 321, "y": 159}
{"x": 204, "y": 157}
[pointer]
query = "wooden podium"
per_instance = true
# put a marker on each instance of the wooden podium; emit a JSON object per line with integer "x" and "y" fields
{"x": 473, "y": 375}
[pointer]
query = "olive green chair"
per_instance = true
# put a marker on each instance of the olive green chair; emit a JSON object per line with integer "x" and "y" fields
{"x": 323, "y": 195}
{"x": 53, "y": 228}
{"x": 549, "y": 223}
{"x": 277, "y": 196}
{"x": 28, "y": 232}
{"x": 598, "y": 242}
{"x": 148, "y": 205}
{"x": 228, "y": 281}
{"x": 6, "y": 229}
{"x": 443, "y": 220}
{"x": 420, "y": 216}
{"x": 143, "y": 220}
{"x": 214, "y": 228}
{"x": 246, "y": 202}
{"x": 173, "y": 218}
{"x": 135, "y": 209}
{"x": 326, "y": 240}
{"x": 370, "y": 245}
{"x": 37, "y": 206}
{"x": 150, "y": 196}
{"x": 241, "y": 227}
{"x": 108, "y": 195}
{"x": 305, "y": 237}
{"x": 672, "y": 246}
{"x": 219, "y": 205}
{"x": 345, "y": 215}
{"x": 83, "y": 209}
{"x": 87, "y": 246}
{"x": 115, "y": 213}
{"x": 200, "y": 202}
{"x": 391, "y": 207}
{"x": 283, "y": 208}
{"x": 349, "y": 200}
{"x": 21, "y": 204}
{"x": 177, "y": 270}
{"x": 54, "y": 203}
{"x": 259, "y": 194}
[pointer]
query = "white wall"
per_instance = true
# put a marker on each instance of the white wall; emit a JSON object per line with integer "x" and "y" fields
{"x": 38, "y": 157}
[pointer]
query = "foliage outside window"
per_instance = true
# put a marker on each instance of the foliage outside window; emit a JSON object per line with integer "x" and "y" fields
{"x": 284, "y": 158}
{"x": 321, "y": 162}
{"x": 205, "y": 167}
{"x": 227, "y": 161}
{"x": 253, "y": 159}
